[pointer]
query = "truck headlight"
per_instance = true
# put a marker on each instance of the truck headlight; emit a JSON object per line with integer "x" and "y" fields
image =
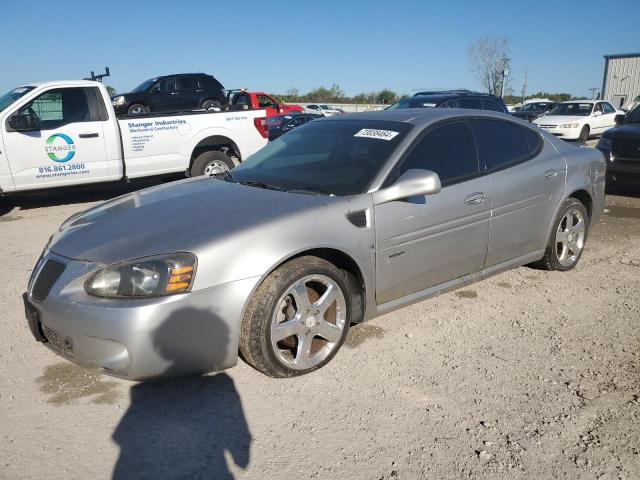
{"x": 604, "y": 144}
{"x": 119, "y": 100}
{"x": 570, "y": 125}
{"x": 144, "y": 277}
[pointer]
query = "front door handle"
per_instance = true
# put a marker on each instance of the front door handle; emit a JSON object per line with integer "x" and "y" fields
{"x": 474, "y": 199}
{"x": 551, "y": 173}
{"x": 88, "y": 135}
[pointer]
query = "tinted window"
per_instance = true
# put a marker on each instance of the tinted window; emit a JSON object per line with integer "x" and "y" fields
{"x": 450, "y": 104}
{"x": 62, "y": 106}
{"x": 330, "y": 157}
{"x": 186, "y": 83}
{"x": 534, "y": 141}
{"x": 474, "y": 103}
{"x": 505, "y": 143}
{"x": 608, "y": 108}
{"x": 264, "y": 101}
{"x": 449, "y": 150}
{"x": 241, "y": 99}
{"x": 491, "y": 105}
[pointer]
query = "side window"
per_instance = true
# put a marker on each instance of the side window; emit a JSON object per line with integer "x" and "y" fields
{"x": 186, "y": 83}
{"x": 608, "y": 108}
{"x": 241, "y": 99}
{"x": 474, "y": 103}
{"x": 169, "y": 85}
{"x": 449, "y": 150}
{"x": 534, "y": 141}
{"x": 491, "y": 105}
{"x": 450, "y": 104}
{"x": 62, "y": 106}
{"x": 597, "y": 108}
{"x": 264, "y": 101}
{"x": 312, "y": 107}
{"x": 505, "y": 143}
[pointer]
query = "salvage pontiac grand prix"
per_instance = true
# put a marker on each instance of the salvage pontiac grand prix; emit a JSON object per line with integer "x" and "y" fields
{"x": 337, "y": 222}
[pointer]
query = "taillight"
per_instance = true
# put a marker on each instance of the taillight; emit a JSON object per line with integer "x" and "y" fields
{"x": 261, "y": 126}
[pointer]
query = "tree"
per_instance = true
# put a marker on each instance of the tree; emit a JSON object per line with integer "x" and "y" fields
{"x": 488, "y": 58}
{"x": 386, "y": 96}
{"x": 110, "y": 90}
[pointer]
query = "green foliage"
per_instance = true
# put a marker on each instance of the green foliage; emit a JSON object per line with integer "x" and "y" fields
{"x": 335, "y": 94}
{"x": 110, "y": 90}
{"x": 556, "y": 97}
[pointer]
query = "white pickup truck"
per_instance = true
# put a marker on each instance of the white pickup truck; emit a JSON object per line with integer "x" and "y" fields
{"x": 63, "y": 133}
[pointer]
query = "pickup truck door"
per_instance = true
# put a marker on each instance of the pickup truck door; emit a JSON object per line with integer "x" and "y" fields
{"x": 66, "y": 147}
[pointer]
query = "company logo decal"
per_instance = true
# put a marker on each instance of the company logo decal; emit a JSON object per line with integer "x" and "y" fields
{"x": 60, "y": 148}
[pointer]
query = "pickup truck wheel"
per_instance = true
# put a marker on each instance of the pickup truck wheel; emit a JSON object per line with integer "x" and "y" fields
{"x": 211, "y": 104}
{"x": 211, "y": 163}
{"x": 568, "y": 237}
{"x": 138, "y": 109}
{"x": 584, "y": 134}
{"x": 297, "y": 319}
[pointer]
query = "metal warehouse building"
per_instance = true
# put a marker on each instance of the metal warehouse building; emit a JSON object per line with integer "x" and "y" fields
{"x": 621, "y": 82}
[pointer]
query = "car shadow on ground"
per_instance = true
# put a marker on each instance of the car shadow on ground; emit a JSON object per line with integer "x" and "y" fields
{"x": 76, "y": 195}
{"x": 624, "y": 190}
{"x": 181, "y": 428}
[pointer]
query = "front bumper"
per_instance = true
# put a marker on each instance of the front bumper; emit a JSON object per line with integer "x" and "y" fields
{"x": 565, "y": 133}
{"x": 139, "y": 339}
{"x": 622, "y": 170}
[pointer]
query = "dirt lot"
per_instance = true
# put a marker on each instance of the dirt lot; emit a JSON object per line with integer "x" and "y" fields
{"x": 527, "y": 375}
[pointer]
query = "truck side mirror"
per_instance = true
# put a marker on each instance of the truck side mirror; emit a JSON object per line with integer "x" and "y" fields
{"x": 619, "y": 119}
{"x": 22, "y": 122}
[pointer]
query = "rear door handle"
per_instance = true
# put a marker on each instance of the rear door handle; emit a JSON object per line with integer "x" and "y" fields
{"x": 88, "y": 135}
{"x": 551, "y": 173}
{"x": 474, "y": 199}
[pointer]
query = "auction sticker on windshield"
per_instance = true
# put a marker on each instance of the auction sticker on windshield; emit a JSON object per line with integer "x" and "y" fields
{"x": 375, "y": 133}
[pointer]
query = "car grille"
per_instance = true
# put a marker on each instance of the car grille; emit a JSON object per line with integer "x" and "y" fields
{"x": 548, "y": 126}
{"x": 626, "y": 148}
{"x": 47, "y": 277}
{"x": 60, "y": 343}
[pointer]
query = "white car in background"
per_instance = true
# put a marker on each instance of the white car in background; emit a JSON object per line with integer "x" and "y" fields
{"x": 325, "y": 110}
{"x": 578, "y": 119}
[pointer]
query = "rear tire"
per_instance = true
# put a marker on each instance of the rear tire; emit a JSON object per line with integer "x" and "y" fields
{"x": 211, "y": 104}
{"x": 584, "y": 134}
{"x": 211, "y": 163}
{"x": 138, "y": 109}
{"x": 288, "y": 329}
{"x": 568, "y": 238}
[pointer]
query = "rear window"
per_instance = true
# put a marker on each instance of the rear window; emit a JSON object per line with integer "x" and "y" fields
{"x": 505, "y": 143}
{"x": 492, "y": 105}
{"x": 326, "y": 157}
{"x": 474, "y": 103}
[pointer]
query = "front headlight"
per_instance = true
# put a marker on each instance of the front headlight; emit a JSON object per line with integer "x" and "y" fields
{"x": 119, "y": 100}
{"x": 570, "y": 125}
{"x": 144, "y": 277}
{"x": 605, "y": 144}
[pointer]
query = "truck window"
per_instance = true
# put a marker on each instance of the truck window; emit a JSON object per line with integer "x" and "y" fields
{"x": 264, "y": 101}
{"x": 241, "y": 99}
{"x": 61, "y": 106}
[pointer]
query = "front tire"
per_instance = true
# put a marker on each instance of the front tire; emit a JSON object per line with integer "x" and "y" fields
{"x": 568, "y": 237}
{"x": 584, "y": 134}
{"x": 211, "y": 163}
{"x": 297, "y": 319}
{"x": 138, "y": 109}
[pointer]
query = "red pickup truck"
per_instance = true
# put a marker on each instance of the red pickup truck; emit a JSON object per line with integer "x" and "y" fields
{"x": 260, "y": 100}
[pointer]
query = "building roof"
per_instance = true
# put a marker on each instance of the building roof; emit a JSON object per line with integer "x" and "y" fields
{"x": 622, "y": 55}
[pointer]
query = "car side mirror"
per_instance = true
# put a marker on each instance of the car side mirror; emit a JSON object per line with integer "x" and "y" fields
{"x": 22, "y": 122}
{"x": 412, "y": 183}
{"x": 620, "y": 119}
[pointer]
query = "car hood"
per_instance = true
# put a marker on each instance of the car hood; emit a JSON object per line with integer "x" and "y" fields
{"x": 184, "y": 216}
{"x": 627, "y": 130}
{"x": 529, "y": 113}
{"x": 558, "y": 119}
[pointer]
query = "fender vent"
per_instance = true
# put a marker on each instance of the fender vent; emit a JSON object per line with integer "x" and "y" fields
{"x": 358, "y": 218}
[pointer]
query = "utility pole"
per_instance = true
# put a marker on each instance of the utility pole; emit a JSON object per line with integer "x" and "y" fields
{"x": 593, "y": 92}
{"x": 524, "y": 84}
{"x": 505, "y": 74}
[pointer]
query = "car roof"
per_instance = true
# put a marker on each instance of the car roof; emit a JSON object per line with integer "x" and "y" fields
{"x": 584, "y": 101}
{"x": 419, "y": 116}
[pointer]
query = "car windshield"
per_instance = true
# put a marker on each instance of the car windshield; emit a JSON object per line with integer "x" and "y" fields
{"x": 325, "y": 107}
{"x": 532, "y": 106}
{"x": 324, "y": 157}
{"x": 10, "y": 97}
{"x": 634, "y": 115}
{"x": 144, "y": 86}
{"x": 575, "y": 109}
{"x": 412, "y": 102}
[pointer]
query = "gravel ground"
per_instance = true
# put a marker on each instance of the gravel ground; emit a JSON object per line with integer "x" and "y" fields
{"x": 529, "y": 374}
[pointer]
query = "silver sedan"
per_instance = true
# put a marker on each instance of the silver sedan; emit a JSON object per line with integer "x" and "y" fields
{"x": 337, "y": 222}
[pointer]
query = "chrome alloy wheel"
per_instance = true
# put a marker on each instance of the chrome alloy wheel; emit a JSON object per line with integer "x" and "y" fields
{"x": 308, "y": 322}
{"x": 215, "y": 167}
{"x": 570, "y": 237}
{"x": 138, "y": 110}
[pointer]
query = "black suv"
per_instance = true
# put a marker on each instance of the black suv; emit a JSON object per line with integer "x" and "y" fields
{"x": 171, "y": 93}
{"x": 452, "y": 99}
{"x": 620, "y": 146}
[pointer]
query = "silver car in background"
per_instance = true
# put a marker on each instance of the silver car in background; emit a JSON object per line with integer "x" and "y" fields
{"x": 337, "y": 222}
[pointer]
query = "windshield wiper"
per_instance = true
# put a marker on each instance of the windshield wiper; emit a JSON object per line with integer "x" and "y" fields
{"x": 254, "y": 183}
{"x": 226, "y": 176}
{"x": 311, "y": 190}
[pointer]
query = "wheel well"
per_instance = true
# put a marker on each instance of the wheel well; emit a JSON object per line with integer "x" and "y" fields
{"x": 583, "y": 197}
{"x": 348, "y": 264}
{"x": 216, "y": 142}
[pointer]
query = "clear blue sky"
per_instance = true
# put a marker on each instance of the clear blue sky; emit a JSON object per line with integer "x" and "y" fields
{"x": 270, "y": 45}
